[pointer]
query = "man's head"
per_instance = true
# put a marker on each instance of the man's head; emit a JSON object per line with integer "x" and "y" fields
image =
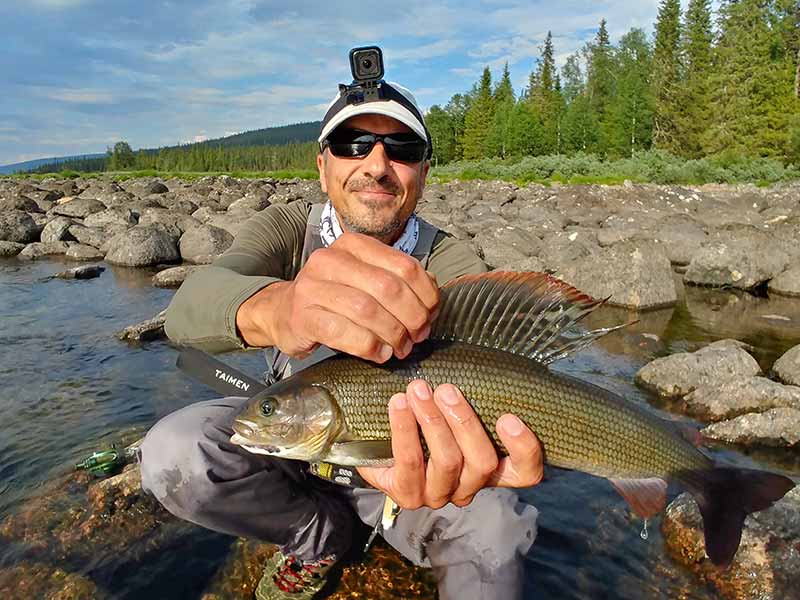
{"x": 376, "y": 192}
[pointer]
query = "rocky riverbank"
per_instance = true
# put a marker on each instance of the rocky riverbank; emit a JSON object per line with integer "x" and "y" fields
{"x": 654, "y": 246}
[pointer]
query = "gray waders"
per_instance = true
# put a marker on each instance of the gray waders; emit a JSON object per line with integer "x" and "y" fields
{"x": 191, "y": 467}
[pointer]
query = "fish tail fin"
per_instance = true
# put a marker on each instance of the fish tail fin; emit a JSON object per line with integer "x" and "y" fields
{"x": 725, "y": 496}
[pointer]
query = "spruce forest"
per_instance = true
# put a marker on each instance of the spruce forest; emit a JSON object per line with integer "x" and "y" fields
{"x": 709, "y": 89}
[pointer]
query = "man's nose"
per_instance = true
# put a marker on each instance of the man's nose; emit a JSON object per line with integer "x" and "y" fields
{"x": 377, "y": 162}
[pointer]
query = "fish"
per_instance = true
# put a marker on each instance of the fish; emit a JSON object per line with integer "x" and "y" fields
{"x": 495, "y": 338}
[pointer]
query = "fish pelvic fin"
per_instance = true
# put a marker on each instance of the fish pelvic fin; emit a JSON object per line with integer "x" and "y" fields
{"x": 725, "y": 496}
{"x": 530, "y": 314}
{"x": 646, "y": 497}
{"x": 361, "y": 453}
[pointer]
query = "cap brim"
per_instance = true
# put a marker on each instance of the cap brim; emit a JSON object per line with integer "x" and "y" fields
{"x": 388, "y": 109}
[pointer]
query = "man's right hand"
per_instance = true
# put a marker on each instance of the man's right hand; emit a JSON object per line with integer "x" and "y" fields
{"x": 358, "y": 296}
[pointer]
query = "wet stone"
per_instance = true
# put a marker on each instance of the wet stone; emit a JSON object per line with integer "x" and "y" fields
{"x": 679, "y": 374}
{"x": 36, "y": 580}
{"x": 146, "y": 331}
{"x": 173, "y": 277}
{"x": 87, "y": 272}
{"x": 787, "y": 283}
{"x": 740, "y": 396}
{"x": 8, "y": 249}
{"x": 776, "y": 428}
{"x": 39, "y": 249}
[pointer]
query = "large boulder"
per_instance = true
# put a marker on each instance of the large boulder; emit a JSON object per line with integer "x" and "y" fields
{"x": 739, "y": 264}
{"x": 83, "y": 252}
{"x": 141, "y": 246}
{"x": 634, "y": 275}
{"x": 79, "y": 208}
{"x": 115, "y": 215}
{"x": 677, "y": 375}
{"x": 777, "y": 427}
{"x": 739, "y": 396}
{"x": 37, "y": 250}
{"x": 57, "y": 230}
{"x": 175, "y": 223}
{"x": 787, "y": 367}
{"x": 19, "y": 202}
{"x": 203, "y": 244}
{"x": 174, "y": 276}
{"x": 18, "y": 226}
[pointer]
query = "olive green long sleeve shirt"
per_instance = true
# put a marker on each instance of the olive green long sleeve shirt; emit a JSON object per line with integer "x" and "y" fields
{"x": 268, "y": 249}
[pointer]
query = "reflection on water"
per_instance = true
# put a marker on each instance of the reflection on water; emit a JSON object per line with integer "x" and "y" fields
{"x": 69, "y": 387}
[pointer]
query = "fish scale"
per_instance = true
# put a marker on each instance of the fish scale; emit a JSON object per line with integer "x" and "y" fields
{"x": 581, "y": 426}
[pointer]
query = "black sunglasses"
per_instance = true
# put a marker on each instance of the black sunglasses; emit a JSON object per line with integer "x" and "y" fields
{"x": 355, "y": 143}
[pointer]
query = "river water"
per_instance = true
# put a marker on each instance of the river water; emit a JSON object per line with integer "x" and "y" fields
{"x": 69, "y": 387}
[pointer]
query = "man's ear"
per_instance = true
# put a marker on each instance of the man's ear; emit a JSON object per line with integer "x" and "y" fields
{"x": 426, "y": 166}
{"x": 321, "y": 163}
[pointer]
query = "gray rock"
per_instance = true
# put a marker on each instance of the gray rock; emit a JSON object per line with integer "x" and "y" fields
{"x": 541, "y": 220}
{"x": 175, "y": 223}
{"x": 116, "y": 215}
{"x": 18, "y": 226}
{"x": 787, "y": 283}
{"x": 765, "y": 566}
{"x": 562, "y": 250}
{"x": 79, "y": 208}
{"x": 203, "y": 244}
{"x": 84, "y": 252}
{"x": 173, "y": 277}
{"x": 531, "y": 263}
{"x": 93, "y": 236}
{"x": 141, "y": 246}
{"x": 742, "y": 265}
{"x": 156, "y": 188}
{"x": 37, "y": 250}
{"x": 504, "y": 245}
{"x": 740, "y": 396}
{"x": 87, "y": 272}
{"x": 113, "y": 199}
{"x": 252, "y": 201}
{"x": 8, "y": 249}
{"x": 57, "y": 230}
{"x": 230, "y": 223}
{"x": 44, "y": 197}
{"x": 787, "y": 367}
{"x": 681, "y": 241}
{"x": 777, "y": 428}
{"x": 679, "y": 374}
{"x": 204, "y": 214}
{"x": 633, "y": 275}
{"x": 149, "y": 330}
{"x": 19, "y": 202}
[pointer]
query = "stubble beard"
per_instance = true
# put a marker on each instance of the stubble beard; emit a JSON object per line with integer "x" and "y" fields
{"x": 372, "y": 222}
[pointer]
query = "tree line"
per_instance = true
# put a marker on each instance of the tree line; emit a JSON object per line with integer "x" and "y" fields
{"x": 701, "y": 87}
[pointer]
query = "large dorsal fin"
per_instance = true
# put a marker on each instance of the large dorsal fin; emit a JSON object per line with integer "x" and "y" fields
{"x": 530, "y": 314}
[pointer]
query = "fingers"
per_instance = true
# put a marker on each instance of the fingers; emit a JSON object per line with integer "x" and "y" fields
{"x": 407, "y": 484}
{"x": 479, "y": 454}
{"x": 445, "y": 459}
{"x": 524, "y": 465}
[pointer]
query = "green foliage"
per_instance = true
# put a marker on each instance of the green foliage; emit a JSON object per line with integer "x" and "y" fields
{"x": 479, "y": 118}
{"x": 121, "y": 157}
{"x": 666, "y": 76}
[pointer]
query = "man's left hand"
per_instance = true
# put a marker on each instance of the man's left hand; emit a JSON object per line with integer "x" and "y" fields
{"x": 462, "y": 459}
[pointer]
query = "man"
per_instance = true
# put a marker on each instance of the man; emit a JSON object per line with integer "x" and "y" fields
{"x": 360, "y": 275}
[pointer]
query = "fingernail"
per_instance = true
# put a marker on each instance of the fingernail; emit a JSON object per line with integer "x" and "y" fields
{"x": 512, "y": 425}
{"x": 399, "y": 402}
{"x": 386, "y": 353}
{"x": 423, "y": 333}
{"x": 449, "y": 396}
{"x": 422, "y": 391}
{"x": 407, "y": 346}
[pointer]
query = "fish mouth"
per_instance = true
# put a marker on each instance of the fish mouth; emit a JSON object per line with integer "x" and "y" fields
{"x": 248, "y": 445}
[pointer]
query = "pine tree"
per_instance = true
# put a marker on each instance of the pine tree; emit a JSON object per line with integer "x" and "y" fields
{"x": 498, "y": 139}
{"x": 478, "y": 120}
{"x": 753, "y": 99}
{"x": 694, "y": 90}
{"x": 443, "y": 136}
{"x": 667, "y": 76}
{"x": 630, "y": 116}
{"x": 544, "y": 96}
{"x": 600, "y": 83}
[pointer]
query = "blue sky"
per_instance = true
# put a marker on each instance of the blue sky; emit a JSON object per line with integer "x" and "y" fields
{"x": 79, "y": 75}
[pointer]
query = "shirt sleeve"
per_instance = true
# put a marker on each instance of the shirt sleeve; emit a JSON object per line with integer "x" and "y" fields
{"x": 451, "y": 258}
{"x": 267, "y": 249}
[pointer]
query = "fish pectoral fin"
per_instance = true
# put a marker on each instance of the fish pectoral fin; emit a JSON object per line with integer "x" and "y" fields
{"x": 646, "y": 497}
{"x": 361, "y": 452}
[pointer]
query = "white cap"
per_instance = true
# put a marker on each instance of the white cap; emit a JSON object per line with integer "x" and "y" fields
{"x": 391, "y": 107}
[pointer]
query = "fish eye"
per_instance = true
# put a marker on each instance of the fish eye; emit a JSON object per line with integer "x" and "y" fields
{"x": 267, "y": 407}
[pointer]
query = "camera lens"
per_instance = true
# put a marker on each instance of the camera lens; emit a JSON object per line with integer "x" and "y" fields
{"x": 366, "y": 64}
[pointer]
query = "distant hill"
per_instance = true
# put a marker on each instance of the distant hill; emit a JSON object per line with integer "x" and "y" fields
{"x": 32, "y": 164}
{"x": 270, "y": 136}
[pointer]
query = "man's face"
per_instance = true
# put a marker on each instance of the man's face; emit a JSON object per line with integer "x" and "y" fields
{"x": 373, "y": 195}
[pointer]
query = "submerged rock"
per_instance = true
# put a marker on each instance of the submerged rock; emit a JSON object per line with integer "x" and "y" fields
{"x": 173, "y": 277}
{"x": 146, "y": 331}
{"x": 768, "y": 560}
{"x": 679, "y": 374}
{"x": 739, "y": 396}
{"x": 87, "y": 272}
{"x": 28, "y": 581}
{"x": 777, "y": 427}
